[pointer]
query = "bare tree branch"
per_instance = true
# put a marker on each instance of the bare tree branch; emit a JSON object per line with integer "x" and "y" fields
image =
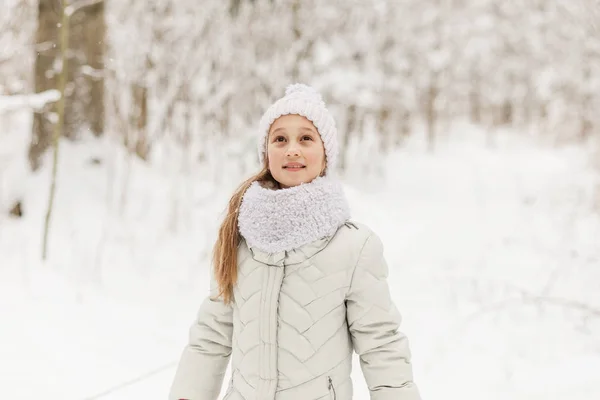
{"x": 73, "y": 8}
{"x": 530, "y": 298}
{"x": 35, "y": 101}
{"x": 133, "y": 381}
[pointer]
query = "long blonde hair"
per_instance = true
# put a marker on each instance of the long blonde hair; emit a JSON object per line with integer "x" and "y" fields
{"x": 228, "y": 240}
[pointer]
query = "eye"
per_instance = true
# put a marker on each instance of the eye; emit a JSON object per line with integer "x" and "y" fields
{"x": 278, "y": 139}
{"x": 307, "y": 137}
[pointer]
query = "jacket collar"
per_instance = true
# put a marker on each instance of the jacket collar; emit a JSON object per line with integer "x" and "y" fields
{"x": 287, "y": 258}
{"x": 293, "y": 223}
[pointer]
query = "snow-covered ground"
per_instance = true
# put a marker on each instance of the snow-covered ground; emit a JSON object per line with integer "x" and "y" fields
{"x": 494, "y": 256}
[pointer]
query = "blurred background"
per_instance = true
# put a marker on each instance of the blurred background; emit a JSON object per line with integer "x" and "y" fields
{"x": 470, "y": 134}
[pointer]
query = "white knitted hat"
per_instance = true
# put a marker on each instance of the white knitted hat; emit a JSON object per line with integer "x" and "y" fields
{"x": 302, "y": 100}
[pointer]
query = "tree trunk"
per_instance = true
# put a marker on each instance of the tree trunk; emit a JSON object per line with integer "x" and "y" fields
{"x": 45, "y": 76}
{"x": 93, "y": 46}
{"x": 405, "y": 126}
{"x": 586, "y": 123}
{"x": 139, "y": 121}
{"x": 431, "y": 112}
{"x": 475, "y": 97}
{"x": 383, "y": 130}
{"x": 506, "y": 112}
{"x": 59, "y": 127}
{"x": 297, "y": 35}
{"x": 234, "y": 8}
{"x": 350, "y": 130}
{"x": 84, "y": 89}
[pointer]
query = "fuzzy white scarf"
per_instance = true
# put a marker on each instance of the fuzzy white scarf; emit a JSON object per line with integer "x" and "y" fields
{"x": 284, "y": 219}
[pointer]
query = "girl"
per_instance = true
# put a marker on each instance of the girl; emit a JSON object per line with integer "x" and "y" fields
{"x": 296, "y": 286}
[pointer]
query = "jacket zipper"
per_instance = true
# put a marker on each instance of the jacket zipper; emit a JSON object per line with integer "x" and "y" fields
{"x": 331, "y": 388}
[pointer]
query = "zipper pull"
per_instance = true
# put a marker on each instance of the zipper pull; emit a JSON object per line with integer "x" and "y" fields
{"x": 350, "y": 224}
{"x": 331, "y": 388}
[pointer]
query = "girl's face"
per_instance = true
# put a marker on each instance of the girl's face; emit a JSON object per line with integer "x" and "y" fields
{"x": 295, "y": 151}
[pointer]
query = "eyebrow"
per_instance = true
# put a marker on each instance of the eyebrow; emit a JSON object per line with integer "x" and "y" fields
{"x": 303, "y": 128}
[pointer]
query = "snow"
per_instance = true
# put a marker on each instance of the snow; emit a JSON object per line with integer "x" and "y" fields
{"x": 33, "y": 100}
{"x": 492, "y": 251}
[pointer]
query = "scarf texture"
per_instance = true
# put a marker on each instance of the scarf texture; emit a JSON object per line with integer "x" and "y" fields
{"x": 285, "y": 219}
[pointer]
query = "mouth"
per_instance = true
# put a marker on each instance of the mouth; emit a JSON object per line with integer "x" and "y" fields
{"x": 294, "y": 166}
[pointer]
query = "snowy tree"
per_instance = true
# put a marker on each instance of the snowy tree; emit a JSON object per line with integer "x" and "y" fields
{"x": 85, "y": 83}
{"x": 196, "y": 75}
{"x": 16, "y": 24}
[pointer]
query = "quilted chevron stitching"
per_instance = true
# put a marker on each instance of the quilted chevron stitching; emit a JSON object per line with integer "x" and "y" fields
{"x": 297, "y": 331}
{"x": 368, "y": 312}
{"x": 299, "y": 275}
{"x": 244, "y": 353}
{"x": 357, "y": 263}
{"x": 299, "y": 360}
{"x": 321, "y": 374}
{"x": 245, "y": 380}
{"x": 324, "y": 316}
{"x": 242, "y": 306}
{"x": 241, "y": 281}
{"x": 318, "y": 297}
{"x": 297, "y": 303}
{"x": 284, "y": 375}
{"x": 242, "y": 262}
{"x": 329, "y": 338}
{"x": 247, "y": 352}
{"x": 325, "y": 295}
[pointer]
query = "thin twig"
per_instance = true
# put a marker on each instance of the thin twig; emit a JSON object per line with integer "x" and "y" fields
{"x": 130, "y": 382}
{"x": 527, "y": 298}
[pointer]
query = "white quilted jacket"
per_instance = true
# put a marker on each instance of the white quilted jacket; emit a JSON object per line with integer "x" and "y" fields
{"x": 296, "y": 319}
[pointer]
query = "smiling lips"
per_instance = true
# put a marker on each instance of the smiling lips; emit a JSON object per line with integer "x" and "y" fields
{"x": 294, "y": 166}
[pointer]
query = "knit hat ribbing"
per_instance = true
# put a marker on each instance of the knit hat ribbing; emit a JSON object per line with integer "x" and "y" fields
{"x": 302, "y": 100}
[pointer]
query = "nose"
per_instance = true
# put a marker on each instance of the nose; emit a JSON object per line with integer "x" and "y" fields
{"x": 292, "y": 151}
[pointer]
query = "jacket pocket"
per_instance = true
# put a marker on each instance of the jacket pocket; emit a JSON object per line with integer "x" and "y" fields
{"x": 331, "y": 388}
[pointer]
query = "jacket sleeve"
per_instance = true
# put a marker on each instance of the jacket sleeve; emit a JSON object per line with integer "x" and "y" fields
{"x": 374, "y": 323}
{"x": 204, "y": 361}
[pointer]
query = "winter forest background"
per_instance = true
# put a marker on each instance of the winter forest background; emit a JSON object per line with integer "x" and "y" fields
{"x": 470, "y": 134}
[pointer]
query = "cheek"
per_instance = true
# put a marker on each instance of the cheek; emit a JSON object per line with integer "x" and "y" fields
{"x": 272, "y": 155}
{"x": 316, "y": 156}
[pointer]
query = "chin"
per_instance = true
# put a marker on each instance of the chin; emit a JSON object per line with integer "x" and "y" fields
{"x": 288, "y": 183}
{"x": 295, "y": 181}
